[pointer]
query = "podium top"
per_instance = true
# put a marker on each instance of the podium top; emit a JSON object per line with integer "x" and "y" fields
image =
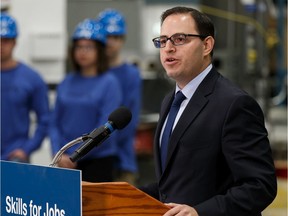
{"x": 118, "y": 198}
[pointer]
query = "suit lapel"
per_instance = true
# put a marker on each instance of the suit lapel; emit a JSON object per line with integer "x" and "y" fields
{"x": 196, "y": 105}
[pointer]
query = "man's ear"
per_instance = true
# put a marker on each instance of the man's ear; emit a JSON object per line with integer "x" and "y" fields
{"x": 208, "y": 45}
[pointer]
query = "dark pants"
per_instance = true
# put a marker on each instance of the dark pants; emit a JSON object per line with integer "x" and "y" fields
{"x": 98, "y": 170}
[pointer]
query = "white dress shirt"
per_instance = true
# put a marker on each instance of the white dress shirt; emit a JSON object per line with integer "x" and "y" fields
{"x": 188, "y": 91}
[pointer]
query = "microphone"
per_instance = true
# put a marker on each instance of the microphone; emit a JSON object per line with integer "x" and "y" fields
{"x": 118, "y": 119}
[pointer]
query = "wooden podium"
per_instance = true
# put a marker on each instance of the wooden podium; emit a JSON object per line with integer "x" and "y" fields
{"x": 118, "y": 198}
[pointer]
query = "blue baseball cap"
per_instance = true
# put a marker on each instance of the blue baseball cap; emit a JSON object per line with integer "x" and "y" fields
{"x": 113, "y": 21}
{"x": 8, "y": 26}
{"x": 90, "y": 29}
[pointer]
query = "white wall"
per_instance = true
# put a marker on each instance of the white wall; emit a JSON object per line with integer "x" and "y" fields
{"x": 42, "y": 41}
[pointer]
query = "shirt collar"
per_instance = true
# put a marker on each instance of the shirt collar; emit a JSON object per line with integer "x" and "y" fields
{"x": 191, "y": 87}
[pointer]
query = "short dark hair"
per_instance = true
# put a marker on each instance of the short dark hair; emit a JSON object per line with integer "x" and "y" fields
{"x": 204, "y": 24}
{"x": 102, "y": 65}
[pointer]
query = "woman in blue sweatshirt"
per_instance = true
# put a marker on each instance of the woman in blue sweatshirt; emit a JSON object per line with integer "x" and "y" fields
{"x": 85, "y": 98}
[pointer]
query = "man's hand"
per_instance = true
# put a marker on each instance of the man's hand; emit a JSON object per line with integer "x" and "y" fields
{"x": 180, "y": 210}
{"x": 18, "y": 155}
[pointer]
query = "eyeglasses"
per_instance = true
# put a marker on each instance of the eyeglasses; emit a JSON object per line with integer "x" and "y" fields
{"x": 176, "y": 39}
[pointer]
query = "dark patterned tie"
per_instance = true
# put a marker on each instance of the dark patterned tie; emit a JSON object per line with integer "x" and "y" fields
{"x": 169, "y": 124}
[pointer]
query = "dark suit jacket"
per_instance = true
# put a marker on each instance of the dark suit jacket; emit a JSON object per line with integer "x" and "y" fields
{"x": 219, "y": 158}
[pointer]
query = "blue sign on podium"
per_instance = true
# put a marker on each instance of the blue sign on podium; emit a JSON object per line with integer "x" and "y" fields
{"x": 31, "y": 190}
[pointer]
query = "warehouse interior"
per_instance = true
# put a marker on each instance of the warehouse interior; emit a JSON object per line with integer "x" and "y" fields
{"x": 251, "y": 50}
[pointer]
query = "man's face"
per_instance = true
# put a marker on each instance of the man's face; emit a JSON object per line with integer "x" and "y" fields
{"x": 7, "y": 46}
{"x": 114, "y": 45}
{"x": 184, "y": 62}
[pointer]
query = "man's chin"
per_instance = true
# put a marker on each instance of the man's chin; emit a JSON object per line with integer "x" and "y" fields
{"x": 171, "y": 74}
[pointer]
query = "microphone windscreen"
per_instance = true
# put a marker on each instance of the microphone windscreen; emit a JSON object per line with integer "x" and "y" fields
{"x": 120, "y": 117}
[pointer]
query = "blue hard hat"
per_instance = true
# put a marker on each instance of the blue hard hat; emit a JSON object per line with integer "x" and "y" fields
{"x": 113, "y": 21}
{"x": 8, "y": 26}
{"x": 90, "y": 29}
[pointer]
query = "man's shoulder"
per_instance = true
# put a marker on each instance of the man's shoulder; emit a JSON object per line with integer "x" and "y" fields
{"x": 28, "y": 68}
{"x": 131, "y": 68}
{"x": 29, "y": 72}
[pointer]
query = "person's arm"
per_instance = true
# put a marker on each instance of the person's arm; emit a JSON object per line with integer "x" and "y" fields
{"x": 246, "y": 147}
{"x": 55, "y": 134}
{"x": 40, "y": 105}
{"x": 54, "y": 128}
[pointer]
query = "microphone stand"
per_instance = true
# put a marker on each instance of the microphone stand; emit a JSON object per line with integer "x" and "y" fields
{"x": 65, "y": 147}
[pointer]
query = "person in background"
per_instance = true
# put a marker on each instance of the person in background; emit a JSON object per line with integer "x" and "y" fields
{"x": 214, "y": 158}
{"x": 130, "y": 81}
{"x": 23, "y": 92}
{"x": 85, "y": 99}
